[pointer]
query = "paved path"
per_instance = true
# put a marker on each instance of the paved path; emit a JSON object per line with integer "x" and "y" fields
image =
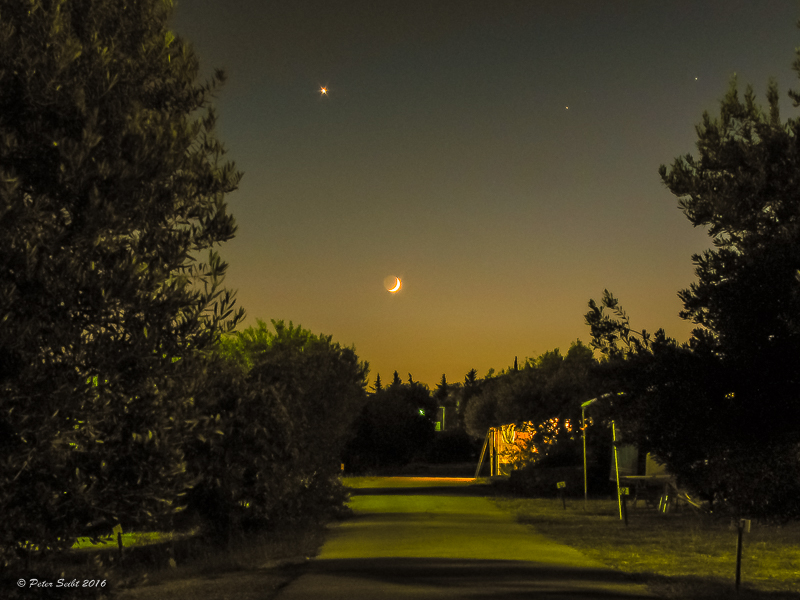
{"x": 424, "y": 538}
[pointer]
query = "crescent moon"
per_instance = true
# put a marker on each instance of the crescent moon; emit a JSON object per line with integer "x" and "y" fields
{"x": 396, "y": 285}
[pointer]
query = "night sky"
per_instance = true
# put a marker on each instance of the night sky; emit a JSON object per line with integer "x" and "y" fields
{"x": 499, "y": 157}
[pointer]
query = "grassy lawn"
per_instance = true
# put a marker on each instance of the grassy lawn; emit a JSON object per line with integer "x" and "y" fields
{"x": 180, "y": 566}
{"x": 680, "y": 555}
{"x": 129, "y": 540}
{"x": 255, "y": 568}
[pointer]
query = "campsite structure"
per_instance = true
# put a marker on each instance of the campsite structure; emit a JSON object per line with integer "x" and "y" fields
{"x": 637, "y": 473}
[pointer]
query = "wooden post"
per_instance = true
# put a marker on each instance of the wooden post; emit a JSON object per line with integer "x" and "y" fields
{"x": 118, "y": 530}
{"x": 625, "y": 508}
{"x": 744, "y": 525}
{"x": 483, "y": 453}
{"x": 560, "y": 486}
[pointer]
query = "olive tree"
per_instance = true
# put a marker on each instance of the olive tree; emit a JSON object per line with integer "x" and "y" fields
{"x": 112, "y": 190}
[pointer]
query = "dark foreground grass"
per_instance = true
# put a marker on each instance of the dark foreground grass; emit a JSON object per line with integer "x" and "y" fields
{"x": 679, "y": 555}
{"x": 166, "y": 566}
{"x": 254, "y": 567}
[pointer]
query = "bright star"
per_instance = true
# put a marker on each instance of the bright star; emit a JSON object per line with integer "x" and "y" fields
{"x": 323, "y": 91}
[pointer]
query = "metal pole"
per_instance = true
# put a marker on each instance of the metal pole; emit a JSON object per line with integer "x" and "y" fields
{"x": 583, "y": 431}
{"x": 492, "y": 452}
{"x": 483, "y": 453}
{"x": 585, "y": 478}
{"x": 616, "y": 465}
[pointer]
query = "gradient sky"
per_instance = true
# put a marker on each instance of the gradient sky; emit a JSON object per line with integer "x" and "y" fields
{"x": 445, "y": 154}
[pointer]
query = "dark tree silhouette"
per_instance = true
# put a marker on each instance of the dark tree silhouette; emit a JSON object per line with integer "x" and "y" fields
{"x": 396, "y": 380}
{"x": 112, "y": 191}
{"x": 746, "y": 300}
{"x": 394, "y": 427}
{"x": 722, "y": 410}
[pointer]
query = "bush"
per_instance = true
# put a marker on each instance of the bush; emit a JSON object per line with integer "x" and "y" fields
{"x": 278, "y": 410}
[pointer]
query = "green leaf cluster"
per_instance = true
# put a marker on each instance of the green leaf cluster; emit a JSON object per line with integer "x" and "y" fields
{"x": 283, "y": 402}
{"x": 112, "y": 189}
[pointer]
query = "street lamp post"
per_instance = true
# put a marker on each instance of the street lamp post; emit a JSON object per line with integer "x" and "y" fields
{"x": 584, "y": 406}
{"x": 583, "y": 432}
{"x": 616, "y": 469}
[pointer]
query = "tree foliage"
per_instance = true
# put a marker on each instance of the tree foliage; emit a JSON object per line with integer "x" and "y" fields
{"x": 746, "y": 299}
{"x": 112, "y": 187}
{"x": 549, "y": 386}
{"x": 721, "y": 411}
{"x": 284, "y": 402}
{"x": 394, "y": 427}
{"x": 469, "y": 389}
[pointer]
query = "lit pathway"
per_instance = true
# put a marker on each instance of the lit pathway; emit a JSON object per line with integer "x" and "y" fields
{"x": 438, "y": 538}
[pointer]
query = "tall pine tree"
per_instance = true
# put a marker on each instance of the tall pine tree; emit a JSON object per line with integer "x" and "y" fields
{"x": 744, "y": 188}
{"x": 722, "y": 411}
